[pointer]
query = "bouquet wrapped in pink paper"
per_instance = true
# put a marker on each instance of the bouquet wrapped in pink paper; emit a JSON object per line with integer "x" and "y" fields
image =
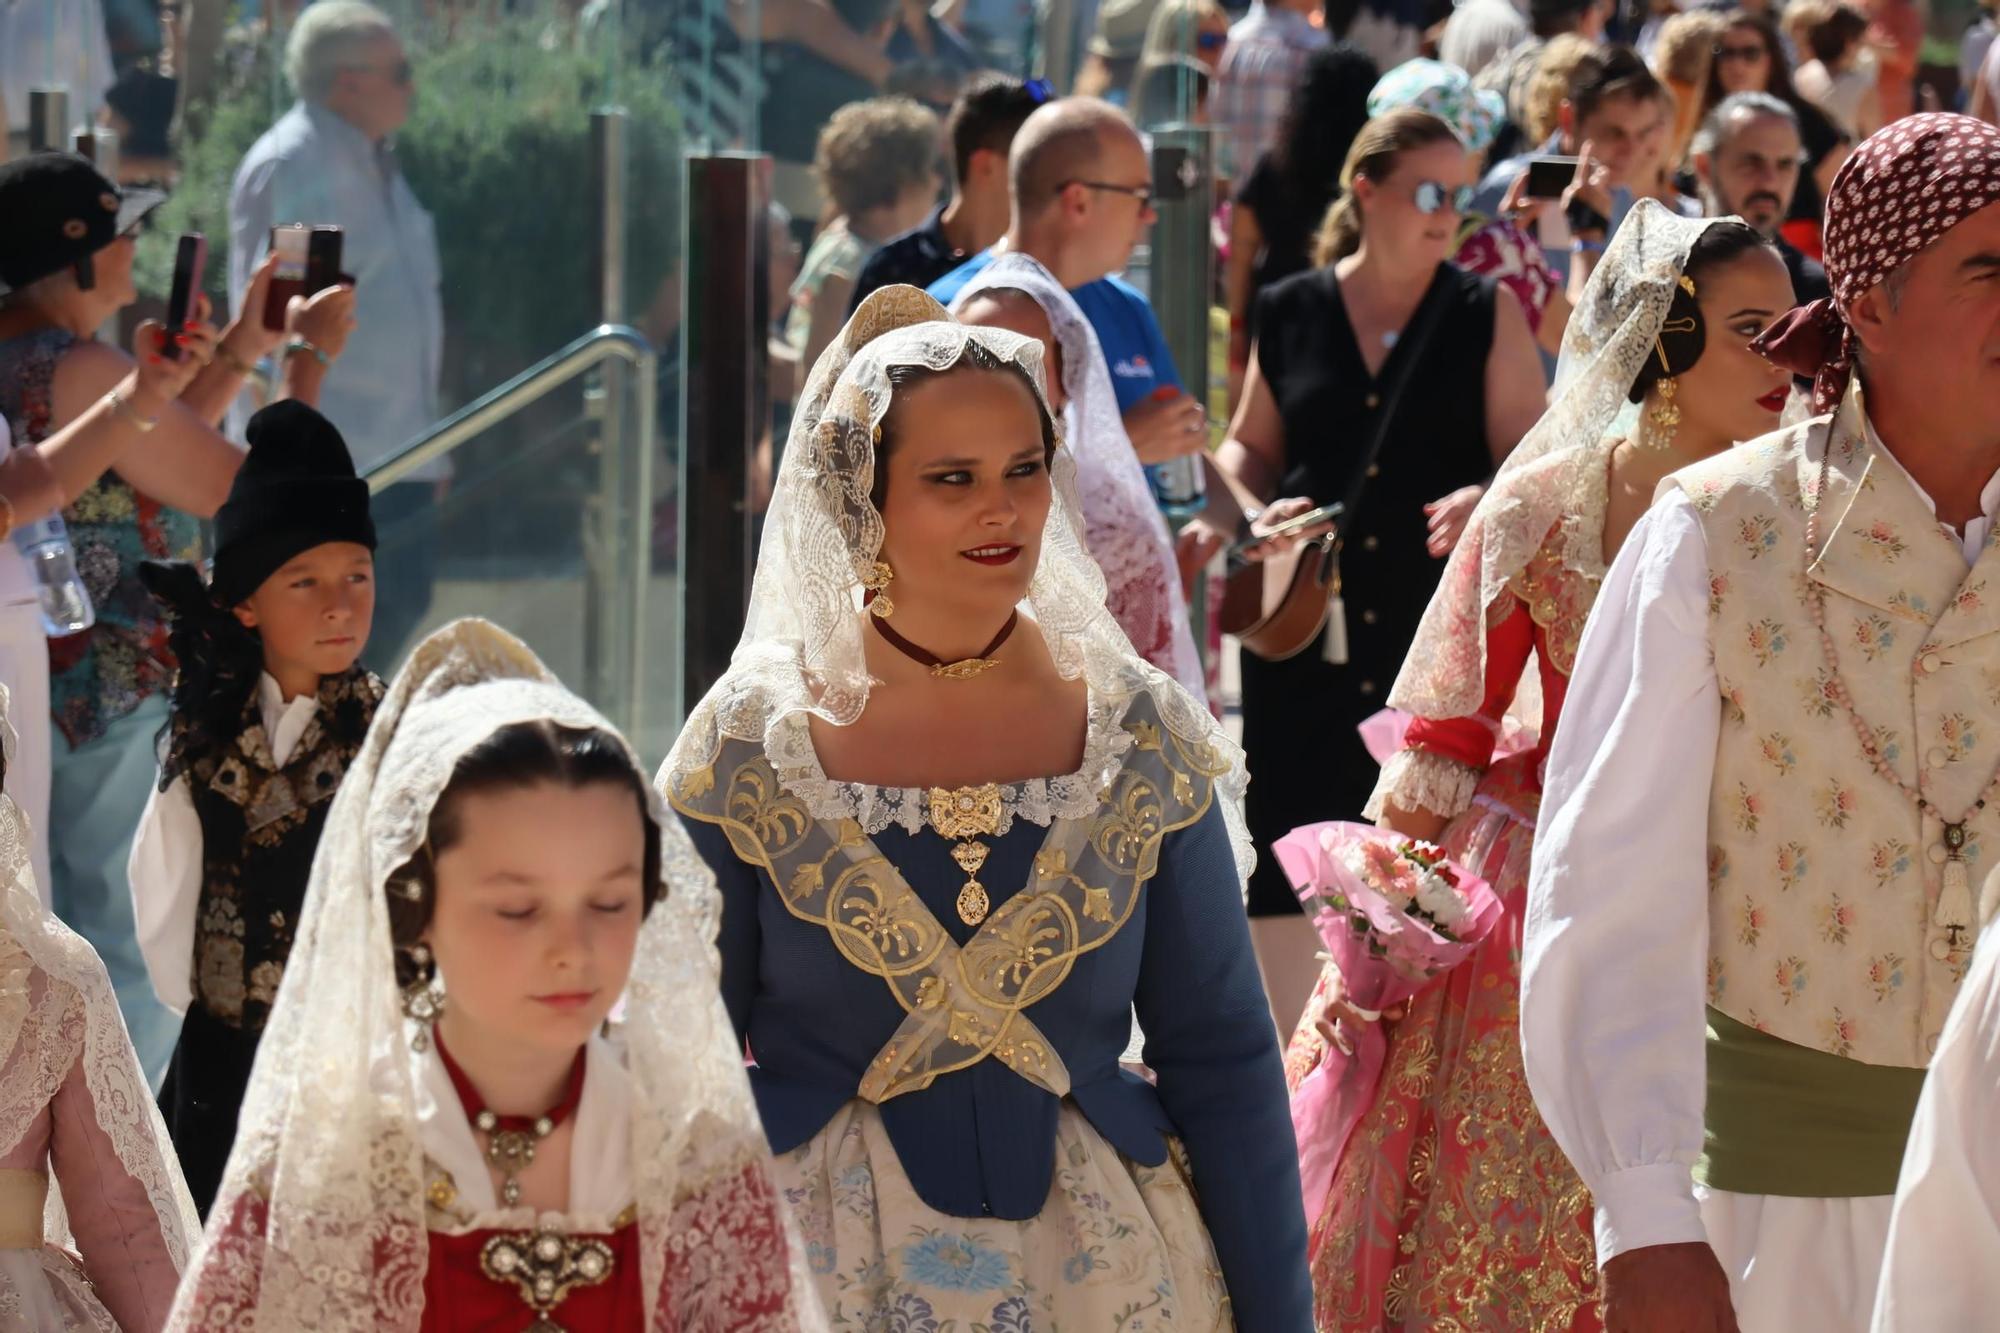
{"x": 1393, "y": 913}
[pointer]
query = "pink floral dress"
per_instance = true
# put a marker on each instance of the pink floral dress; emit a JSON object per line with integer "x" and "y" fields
{"x": 1452, "y": 1207}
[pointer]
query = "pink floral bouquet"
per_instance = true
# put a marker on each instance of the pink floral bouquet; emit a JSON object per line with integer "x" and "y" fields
{"x": 1393, "y": 913}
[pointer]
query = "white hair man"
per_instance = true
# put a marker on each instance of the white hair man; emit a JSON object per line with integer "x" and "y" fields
{"x": 329, "y": 160}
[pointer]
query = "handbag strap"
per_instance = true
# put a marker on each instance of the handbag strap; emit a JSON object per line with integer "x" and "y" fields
{"x": 1429, "y": 314}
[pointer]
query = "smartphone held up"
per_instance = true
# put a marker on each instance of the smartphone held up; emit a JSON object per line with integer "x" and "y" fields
{"x": 190, "y": 263}
{"x": 1549, "y": 174}
{"x": 308, "y": 263}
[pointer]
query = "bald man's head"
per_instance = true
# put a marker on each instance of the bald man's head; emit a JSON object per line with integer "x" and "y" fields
{"x": 1065, "y": 141}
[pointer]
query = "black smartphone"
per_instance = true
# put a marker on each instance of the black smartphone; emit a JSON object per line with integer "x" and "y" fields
{"x": 1549, "y": 175}
{"x": 323, "y": 247}
{"x": 190, "y": 260}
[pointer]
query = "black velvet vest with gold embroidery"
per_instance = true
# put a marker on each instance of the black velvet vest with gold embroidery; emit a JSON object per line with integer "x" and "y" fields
{"x": 260, "y": 824}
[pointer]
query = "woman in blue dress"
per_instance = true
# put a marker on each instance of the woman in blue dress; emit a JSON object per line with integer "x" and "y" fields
{"x": 966, "y": 836}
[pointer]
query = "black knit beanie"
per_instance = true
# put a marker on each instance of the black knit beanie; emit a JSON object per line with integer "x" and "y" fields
{"x": 296, "y": 490}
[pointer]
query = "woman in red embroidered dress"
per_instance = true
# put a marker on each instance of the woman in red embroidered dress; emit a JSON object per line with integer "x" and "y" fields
{"x": 1452, "y": 1206}
{"x": 443, "y": 1133}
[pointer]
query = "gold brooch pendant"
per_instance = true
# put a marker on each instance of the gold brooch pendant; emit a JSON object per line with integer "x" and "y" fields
{"x": 963, "y": 815}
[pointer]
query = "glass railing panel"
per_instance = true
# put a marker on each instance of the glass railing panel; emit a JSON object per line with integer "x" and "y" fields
{"x": 540, "y": 529}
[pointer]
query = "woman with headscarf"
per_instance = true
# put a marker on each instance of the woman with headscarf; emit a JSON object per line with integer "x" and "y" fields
{"x": 74, "y": 1106}
{"x": 964, "y": 833}
{"x": 1657, "y": 374}
{"x": 1122, "y": 527}
{"x": 443, "y": 1132}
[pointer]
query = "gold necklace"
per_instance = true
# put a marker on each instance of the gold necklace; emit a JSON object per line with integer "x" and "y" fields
{"x": 962, "y": 815}
{"x": 963, "y": 669}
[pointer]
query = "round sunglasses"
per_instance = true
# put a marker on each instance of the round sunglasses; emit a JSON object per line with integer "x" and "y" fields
{"x": 1432, "y": 197}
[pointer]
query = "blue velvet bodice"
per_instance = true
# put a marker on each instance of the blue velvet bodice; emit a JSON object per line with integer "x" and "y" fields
{"x": 980, "y": 1141}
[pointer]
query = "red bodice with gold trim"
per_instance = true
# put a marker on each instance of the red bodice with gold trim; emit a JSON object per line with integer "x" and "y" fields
{"x": 1542, "y": 616}
{"x": 725, "y": 1263}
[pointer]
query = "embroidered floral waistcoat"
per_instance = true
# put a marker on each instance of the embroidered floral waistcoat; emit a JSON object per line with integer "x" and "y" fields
{"x": 1823, "y": 876}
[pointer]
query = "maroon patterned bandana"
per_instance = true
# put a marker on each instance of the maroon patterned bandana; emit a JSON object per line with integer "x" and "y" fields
{"x": 1906, "y": 185}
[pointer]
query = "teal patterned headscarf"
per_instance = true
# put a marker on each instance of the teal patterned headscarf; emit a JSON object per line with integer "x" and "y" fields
{"x": 1445, "y": 91}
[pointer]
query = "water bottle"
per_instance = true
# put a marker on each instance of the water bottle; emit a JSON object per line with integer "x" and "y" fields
{"x": 66, "y": 607}
{"x": 1179, "y": 486}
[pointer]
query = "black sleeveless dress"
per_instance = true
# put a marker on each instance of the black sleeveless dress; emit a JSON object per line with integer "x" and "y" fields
{"x": 1300, "y": 716}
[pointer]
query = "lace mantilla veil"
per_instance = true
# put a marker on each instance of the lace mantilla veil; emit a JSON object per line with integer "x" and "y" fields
{"x": 801, "y": 652}
{"x": 327, "y": 1148}
{"x": 76, "y": 1009}
{"x": 1122, "y": 525}
{"x": 1556, "y": 473}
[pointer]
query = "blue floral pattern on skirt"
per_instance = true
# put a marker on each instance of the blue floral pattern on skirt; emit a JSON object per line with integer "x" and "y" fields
{"x": 1118, "y": 1248}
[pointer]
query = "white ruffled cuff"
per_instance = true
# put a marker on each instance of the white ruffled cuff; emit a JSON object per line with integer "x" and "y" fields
{"x": 1417, "y": 779}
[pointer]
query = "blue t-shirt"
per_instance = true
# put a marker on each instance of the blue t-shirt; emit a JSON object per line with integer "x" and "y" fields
{"x": 1134, "y": 348}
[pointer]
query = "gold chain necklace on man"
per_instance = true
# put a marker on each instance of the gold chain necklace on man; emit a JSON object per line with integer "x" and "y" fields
{"x": 1954, "y": 906}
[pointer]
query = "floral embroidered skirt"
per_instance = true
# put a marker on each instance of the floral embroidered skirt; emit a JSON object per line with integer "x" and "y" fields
{"x": 1118, "y": 1247}
{"x": 1452, "y": 1208}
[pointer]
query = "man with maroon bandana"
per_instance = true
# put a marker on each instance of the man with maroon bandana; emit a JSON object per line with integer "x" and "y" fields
{"x": 1777, "y": 786}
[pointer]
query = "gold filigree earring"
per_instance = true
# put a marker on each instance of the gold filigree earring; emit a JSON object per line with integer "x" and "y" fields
{"x": 1665, "y": 414}
{"x": 877, "y": 581}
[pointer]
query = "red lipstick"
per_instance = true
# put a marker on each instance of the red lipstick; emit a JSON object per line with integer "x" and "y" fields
{"x": 1000, "y": 553}
{"x": 567, "y": 1002}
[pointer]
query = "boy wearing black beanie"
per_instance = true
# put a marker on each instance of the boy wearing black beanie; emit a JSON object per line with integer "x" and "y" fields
{"x": 270, "y": 706}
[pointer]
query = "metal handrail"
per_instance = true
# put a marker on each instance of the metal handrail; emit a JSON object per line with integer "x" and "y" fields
{"x": 621, "y": 636}
{"x": 601, "y": 344}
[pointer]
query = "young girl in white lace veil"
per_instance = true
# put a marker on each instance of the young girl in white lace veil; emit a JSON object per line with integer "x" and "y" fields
{"x": 441, "y": 1133}
{"x": 963, "y": 833}
{"x": 74, "y": 1103}
{"x": 1122, "y": 526}
{"x": 1656, "y": 374}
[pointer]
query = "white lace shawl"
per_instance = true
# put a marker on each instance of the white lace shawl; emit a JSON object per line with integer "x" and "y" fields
{"x": 329, "y": 1150}
{"x": 1556, "y": 473}
{"x": 1122, "y": 526}
{"x": 57, "y": 1026}
{"x": 801, "y": 653}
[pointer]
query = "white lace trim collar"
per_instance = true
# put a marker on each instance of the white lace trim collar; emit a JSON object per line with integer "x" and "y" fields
{"x": 1042, "y": 801}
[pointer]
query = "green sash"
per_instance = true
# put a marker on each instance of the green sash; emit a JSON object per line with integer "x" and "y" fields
{"x": 1789, "y": 1120}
